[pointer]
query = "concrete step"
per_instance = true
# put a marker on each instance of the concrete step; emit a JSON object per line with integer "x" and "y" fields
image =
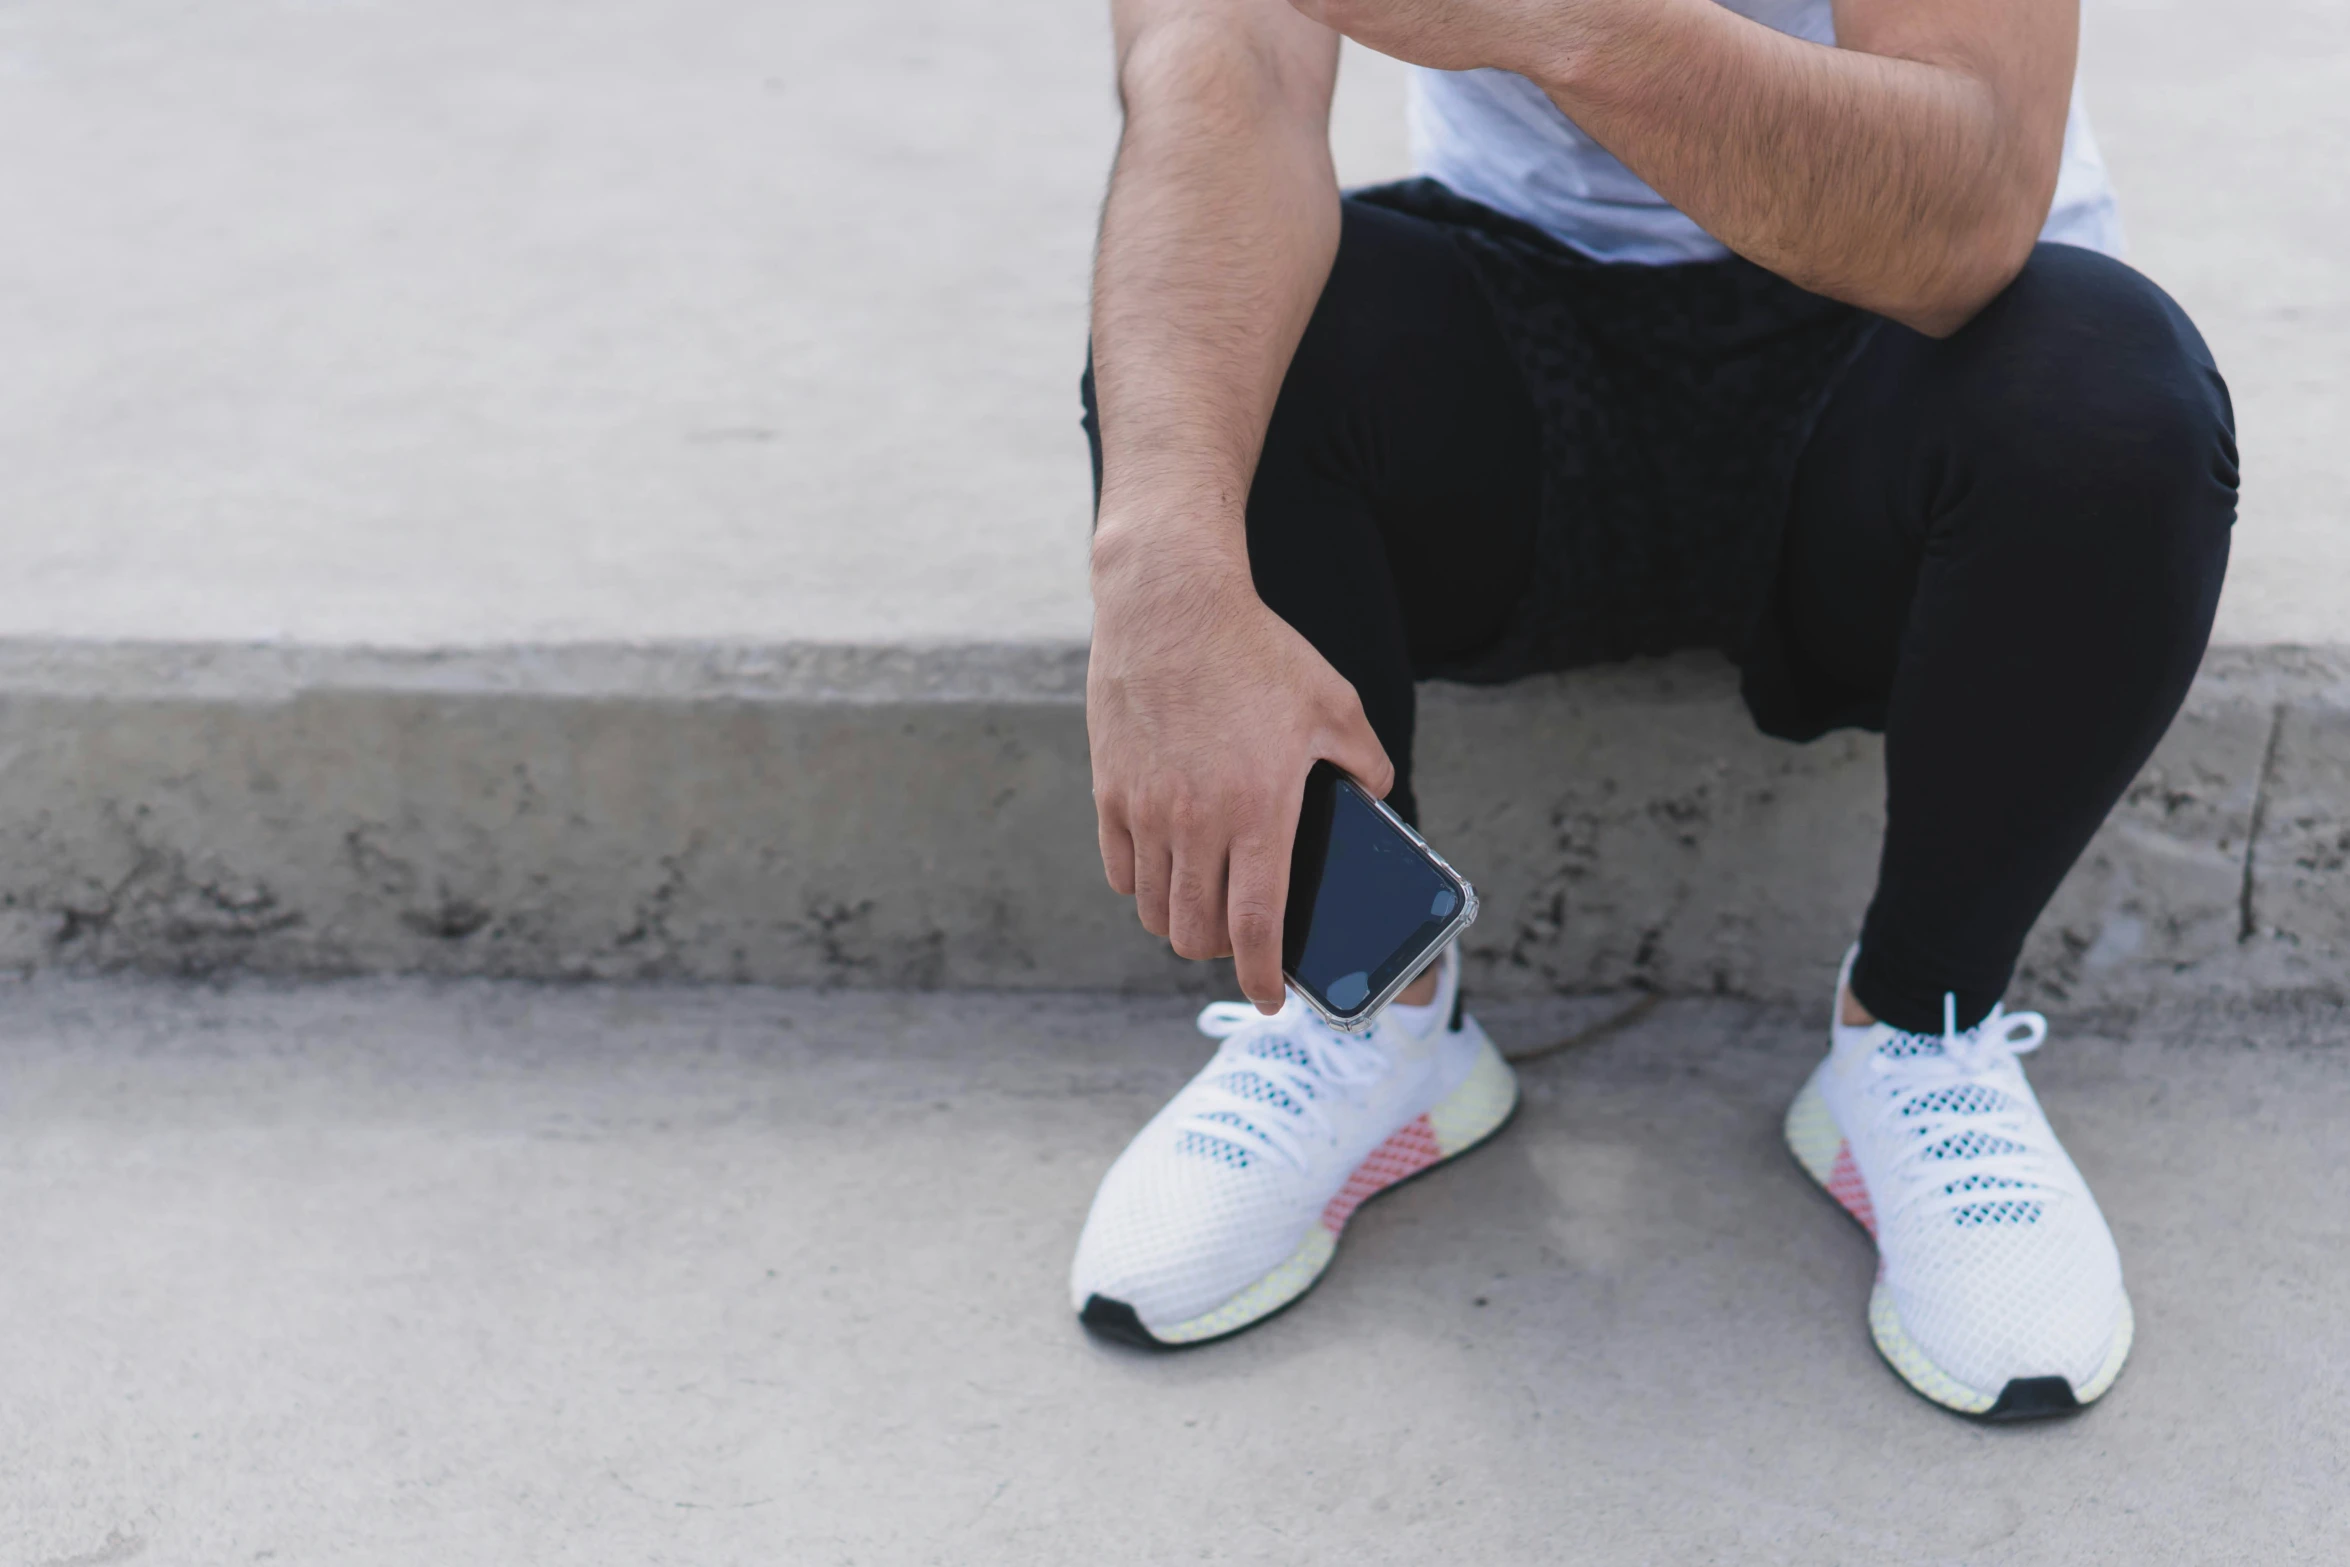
{"x": 395, "y": 1273}
{"x": 920, "y": 817}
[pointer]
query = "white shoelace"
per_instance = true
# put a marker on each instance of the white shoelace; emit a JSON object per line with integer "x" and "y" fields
{"x": 1287, "y": 1124}
{"x": 1973, "y": 1142}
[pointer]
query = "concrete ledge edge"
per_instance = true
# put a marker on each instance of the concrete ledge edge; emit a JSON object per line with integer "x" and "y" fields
{"x": 918, "y": 815}
{"x": 908, "y": 672}
{"x": 1041, "y": 671}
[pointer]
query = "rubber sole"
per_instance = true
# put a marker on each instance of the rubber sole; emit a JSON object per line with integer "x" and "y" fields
{"x": 1821, "y": 1151}
{"x": 1470, "y": 1117}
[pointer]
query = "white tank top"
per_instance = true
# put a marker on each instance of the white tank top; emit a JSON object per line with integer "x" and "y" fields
{"x": 1495, "y": 138}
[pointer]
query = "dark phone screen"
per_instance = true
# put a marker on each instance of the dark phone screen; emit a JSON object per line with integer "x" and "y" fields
{"x": 1363, "y": 900}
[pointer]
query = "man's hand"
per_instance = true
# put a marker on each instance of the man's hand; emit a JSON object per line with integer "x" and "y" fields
{"x": 1204, "y": 711}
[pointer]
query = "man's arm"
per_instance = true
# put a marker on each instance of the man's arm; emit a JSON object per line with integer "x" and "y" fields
{"x": 1907, "y": 171}
{"x": 1219, "y": 229}
{"x": 1204, "y": 710}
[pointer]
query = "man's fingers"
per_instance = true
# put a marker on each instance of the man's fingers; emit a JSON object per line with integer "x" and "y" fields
{"x": 1257, "y": 896}
{"x": 1152, "y": 872}
{"x": 1195, "y": 900}
{"x": 1117, "y": 853}
{"x": 1355, "y": 747}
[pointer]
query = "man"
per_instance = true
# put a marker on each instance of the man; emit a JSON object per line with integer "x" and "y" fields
{"x": 1788, "y": 327}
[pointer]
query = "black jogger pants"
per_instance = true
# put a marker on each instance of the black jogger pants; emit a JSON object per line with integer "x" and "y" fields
{"x": 2006, "y": 546}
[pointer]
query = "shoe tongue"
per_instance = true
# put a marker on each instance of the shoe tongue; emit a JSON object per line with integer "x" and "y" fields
{"x": 1898, "y": 1046}
{"x": 1280, "y": 1047}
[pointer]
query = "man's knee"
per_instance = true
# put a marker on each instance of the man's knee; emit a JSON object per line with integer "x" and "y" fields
{"x": 2093, "y": 386}
{"x": 2086, "y": 366}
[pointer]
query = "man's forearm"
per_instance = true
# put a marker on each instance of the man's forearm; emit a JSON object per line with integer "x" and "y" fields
{"x": 1906, "y": 171}
{"x": 1912, "y": 187}
{"x": 1217, "y": 236}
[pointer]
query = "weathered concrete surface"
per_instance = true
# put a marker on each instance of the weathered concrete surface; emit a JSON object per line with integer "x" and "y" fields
{"x": 1630, "y": 828}
{"x": 812, "y": 815}
{"x": 460, "y": 323}
{"x": 485, "y": 1275}
{"x": 921, "y": 818}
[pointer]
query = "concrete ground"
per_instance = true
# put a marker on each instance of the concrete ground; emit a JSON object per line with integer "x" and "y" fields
{"x": 458, "y": 324}
{"x": 391, "y": 1273}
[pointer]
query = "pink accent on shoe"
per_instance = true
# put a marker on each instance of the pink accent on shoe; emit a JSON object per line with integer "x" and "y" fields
{"x": 1846, "y": 1186}
{"x": 1411, "y": 1150}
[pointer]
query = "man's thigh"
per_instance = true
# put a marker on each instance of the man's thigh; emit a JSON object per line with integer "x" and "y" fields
{"x": 1404, "y": 424}
{"x": 1401, "y": 473}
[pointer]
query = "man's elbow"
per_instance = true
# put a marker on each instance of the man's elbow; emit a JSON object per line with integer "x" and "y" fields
{"x": 1972, "y": 267}
{"x": 1942, "y": 310}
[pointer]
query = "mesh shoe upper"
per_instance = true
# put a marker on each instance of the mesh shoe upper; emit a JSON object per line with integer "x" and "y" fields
{"x": 1998, "y": 1260}
{"x": 1222, "y": 1185}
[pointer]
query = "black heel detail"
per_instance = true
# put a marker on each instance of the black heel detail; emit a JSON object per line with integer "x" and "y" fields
{"x": 1114, "y": 1319}
{"x": 2034, "y": 1398}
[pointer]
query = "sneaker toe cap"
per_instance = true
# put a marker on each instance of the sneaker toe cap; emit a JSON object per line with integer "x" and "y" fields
{"x": 1174, "y": 1243}
{"x": 2011, "y": 1302}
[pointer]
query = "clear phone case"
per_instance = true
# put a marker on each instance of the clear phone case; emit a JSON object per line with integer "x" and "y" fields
{"x": 1361, "y": 1018}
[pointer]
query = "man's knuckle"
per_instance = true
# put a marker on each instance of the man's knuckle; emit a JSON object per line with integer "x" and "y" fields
{"x": 1190, "y": 813}
{"x": 1254, "y": 811}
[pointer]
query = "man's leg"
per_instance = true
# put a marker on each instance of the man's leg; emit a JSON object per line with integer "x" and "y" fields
{"x": 1392, "y": 518}
{"x": 2017, "y": 536}
{"x": 2014, "y": 539}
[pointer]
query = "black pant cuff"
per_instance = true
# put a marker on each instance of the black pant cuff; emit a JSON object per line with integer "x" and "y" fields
{"x": 1908, "y": 993}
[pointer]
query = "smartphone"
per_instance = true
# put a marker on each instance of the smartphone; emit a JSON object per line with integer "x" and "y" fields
{"x": 1370, "y": 904}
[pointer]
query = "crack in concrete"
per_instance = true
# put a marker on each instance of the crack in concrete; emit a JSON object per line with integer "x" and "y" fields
{"x": 1613, "y": 1023}
{"x": 650, "y": 914}
{"x": 2247, "y": 892}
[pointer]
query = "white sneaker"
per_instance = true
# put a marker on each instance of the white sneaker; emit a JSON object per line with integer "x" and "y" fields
{"x": 1998, "y": 1291}
{"x": 1229, "y": 1204}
